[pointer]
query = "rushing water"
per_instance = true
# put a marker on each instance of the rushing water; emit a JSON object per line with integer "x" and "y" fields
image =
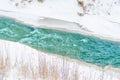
{"x": 76, "y": 46}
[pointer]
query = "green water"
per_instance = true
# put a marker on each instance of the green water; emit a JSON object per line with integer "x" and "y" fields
{"x": 76, "y": 46}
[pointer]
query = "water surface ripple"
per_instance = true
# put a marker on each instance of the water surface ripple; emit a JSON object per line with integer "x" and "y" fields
{"x": 76, "y": 46}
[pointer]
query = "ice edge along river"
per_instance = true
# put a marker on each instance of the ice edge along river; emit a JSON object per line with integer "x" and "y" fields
{"x": 30, "y": 64}
{"x": 100, "y": 23}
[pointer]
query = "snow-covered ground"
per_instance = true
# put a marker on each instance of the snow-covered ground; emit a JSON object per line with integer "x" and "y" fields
{"x": 100, "y": 16}
{"x": 30, "y": 64}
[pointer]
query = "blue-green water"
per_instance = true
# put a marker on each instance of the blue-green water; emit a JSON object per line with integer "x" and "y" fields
{"x": 76, "y": 46}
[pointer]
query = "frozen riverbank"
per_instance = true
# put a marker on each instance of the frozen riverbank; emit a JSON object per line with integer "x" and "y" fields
{"x": 30, "y": 64}
{"x": 102, "y": 17}
{"x": 56, "y": 24}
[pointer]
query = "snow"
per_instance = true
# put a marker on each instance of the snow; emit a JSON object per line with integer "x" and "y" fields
{"x": 30, "y": 64}
{"x": 97, "y": 20}
{"x": 105, "y": 27}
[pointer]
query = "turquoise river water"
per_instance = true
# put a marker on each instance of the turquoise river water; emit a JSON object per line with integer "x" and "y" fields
{"x": 76, "y": 46}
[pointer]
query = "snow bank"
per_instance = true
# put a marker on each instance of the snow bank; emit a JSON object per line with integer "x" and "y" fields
{"x": 101, "y": 18}
{"x": 20, "y": 62}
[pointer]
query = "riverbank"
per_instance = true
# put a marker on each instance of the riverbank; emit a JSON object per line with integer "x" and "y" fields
{"x": 30, "y": 64}
{"x": 103, "y": 18}
{"x": 55, "y": 24}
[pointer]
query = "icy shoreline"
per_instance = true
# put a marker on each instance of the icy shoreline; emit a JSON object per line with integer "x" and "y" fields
{"x": 30, "y": 64}
{"x": 56, "y": 24}
{"x": 103, "y": 18}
